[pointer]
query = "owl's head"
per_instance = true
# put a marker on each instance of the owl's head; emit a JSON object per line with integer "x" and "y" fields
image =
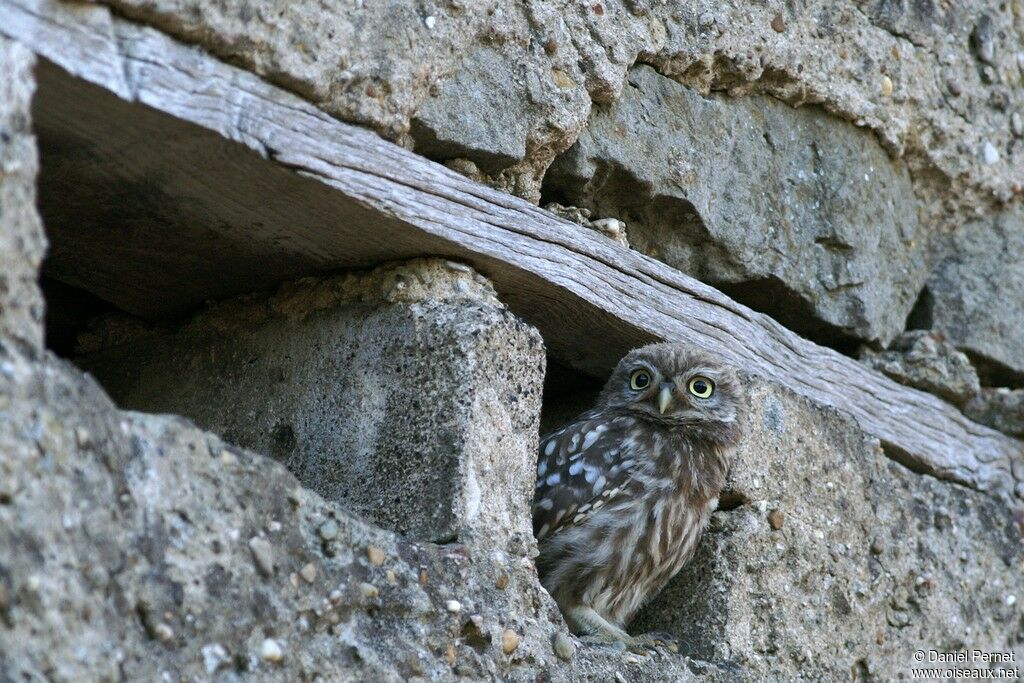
{"x": 676, "y": 386}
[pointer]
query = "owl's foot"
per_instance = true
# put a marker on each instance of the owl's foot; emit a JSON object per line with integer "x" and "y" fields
{"x": 655, "y": 640}
{"x": 592, "y": 628}
{"x": 642, "y": 644}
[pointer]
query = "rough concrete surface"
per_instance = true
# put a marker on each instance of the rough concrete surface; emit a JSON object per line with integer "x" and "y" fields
{"x": 21, "y": 235}
{"x": 779, "y": 207}
{"x": 408, "y": 393}
{"x": 138, "y": 546}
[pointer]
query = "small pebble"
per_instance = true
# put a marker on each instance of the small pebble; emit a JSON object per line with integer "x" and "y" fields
{"x": 987, "y": 52}
{"x": 334, "y": 597}
{"x": 270, "y": 651}
{"x": 308, "y": 573}
{"x": 263, "y": 553}
{"x": 954, "y": 88}
{"x": 329, "y": 530}
{"x": 563, "y": 646}
{"x": 453, "y": 606}
{"x": 778, "y": 23}
{"x": 886, "y": 86}
{"x": 776, "y": 519}
{"x": 368, "y": 590}
{"x": 877, "y": 546}
{"x": 391, "y": 577}
{"x": 450, "y": 655}
{"x": 1011, "y": 600}
{"x": 509, "y": 641}
{"x": 375, "y": 555}
{"x": 83, "y": 438}
{"x": 163, "y": 632}
{"x": 501, "y": 581}
{"x": 430, "y": 22}
{"x": 989, "y": 153}
{"x": 1017, "y": 124}
{"x": 214, "y": 657}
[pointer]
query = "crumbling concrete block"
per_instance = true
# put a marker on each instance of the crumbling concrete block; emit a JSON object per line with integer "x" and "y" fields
{"x": 975, "y": 297}
{"x": 833, "y": 561}
{"x": 21, "y": 234}
{"x": 826, "y": 243}
{"x": 926, "y": 361}
{"x": 408, "y": 393}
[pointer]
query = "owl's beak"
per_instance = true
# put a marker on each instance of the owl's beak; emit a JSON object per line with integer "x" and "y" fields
{"x": 664, "y": 398}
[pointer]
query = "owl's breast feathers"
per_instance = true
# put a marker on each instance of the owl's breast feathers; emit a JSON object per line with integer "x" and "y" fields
{"x": 597, "y": 459}
{"x": 618, "y": 509}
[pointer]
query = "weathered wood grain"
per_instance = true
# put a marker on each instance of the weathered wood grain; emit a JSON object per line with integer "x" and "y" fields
{"x": 249, "y": 185}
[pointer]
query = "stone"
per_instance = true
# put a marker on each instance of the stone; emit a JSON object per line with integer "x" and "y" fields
{"x": 819, "y": 597}
{"x": 479, "y": 128}
{"x": 825, "y": 242}
{"x": 563, "y": 646}
{"x": 974, "y": 297}
{"x": 263, "y": 554}
{"x": 509, "y": 641}
{"x": 989, "y": 154}
{"x": 924, "y": 360}
{"x": 1000, "y": 408}
{"x": 270, "y": 651}
{"x": 22, "y": 242}
{"x": 157, "y": 516}
{"x": 375, "y": 556}
{"x": 409, "y": 393}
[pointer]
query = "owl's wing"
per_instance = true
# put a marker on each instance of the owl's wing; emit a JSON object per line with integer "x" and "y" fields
{"x": 581, "y": 467}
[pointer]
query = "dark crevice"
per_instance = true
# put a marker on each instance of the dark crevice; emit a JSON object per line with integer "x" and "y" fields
{"x": 68, "y": 312}
{"x": 773, "y": 298}
{"x": 992, "y": 373}
{"x": 567, "y": 393}
{"x": 731, "y": 499}
{"x": 920, "y": 316}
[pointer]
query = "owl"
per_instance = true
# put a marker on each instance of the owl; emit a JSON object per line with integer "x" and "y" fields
{"x": 625, "y": 490}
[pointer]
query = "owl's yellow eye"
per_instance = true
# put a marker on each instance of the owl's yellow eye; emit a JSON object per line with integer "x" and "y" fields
{"x": 701, "y": 387}
{"x": 639, "y": 380}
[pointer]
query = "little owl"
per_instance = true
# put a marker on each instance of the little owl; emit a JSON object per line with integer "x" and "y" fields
{"x": 625, "y": 490}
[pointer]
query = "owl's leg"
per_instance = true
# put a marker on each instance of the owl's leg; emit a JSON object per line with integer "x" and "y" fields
{"x": 592, "y": 627}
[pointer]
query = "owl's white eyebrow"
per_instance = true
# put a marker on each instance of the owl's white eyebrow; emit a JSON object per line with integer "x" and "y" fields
{"x": 706, "y": 372}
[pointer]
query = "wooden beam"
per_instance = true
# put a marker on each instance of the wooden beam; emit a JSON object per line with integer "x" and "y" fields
{"x": 197, "y": 180}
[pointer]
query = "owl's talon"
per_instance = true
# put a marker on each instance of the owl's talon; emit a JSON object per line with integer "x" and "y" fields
{"x": 654, "y": 640}
{"x": 604, "y": 640}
